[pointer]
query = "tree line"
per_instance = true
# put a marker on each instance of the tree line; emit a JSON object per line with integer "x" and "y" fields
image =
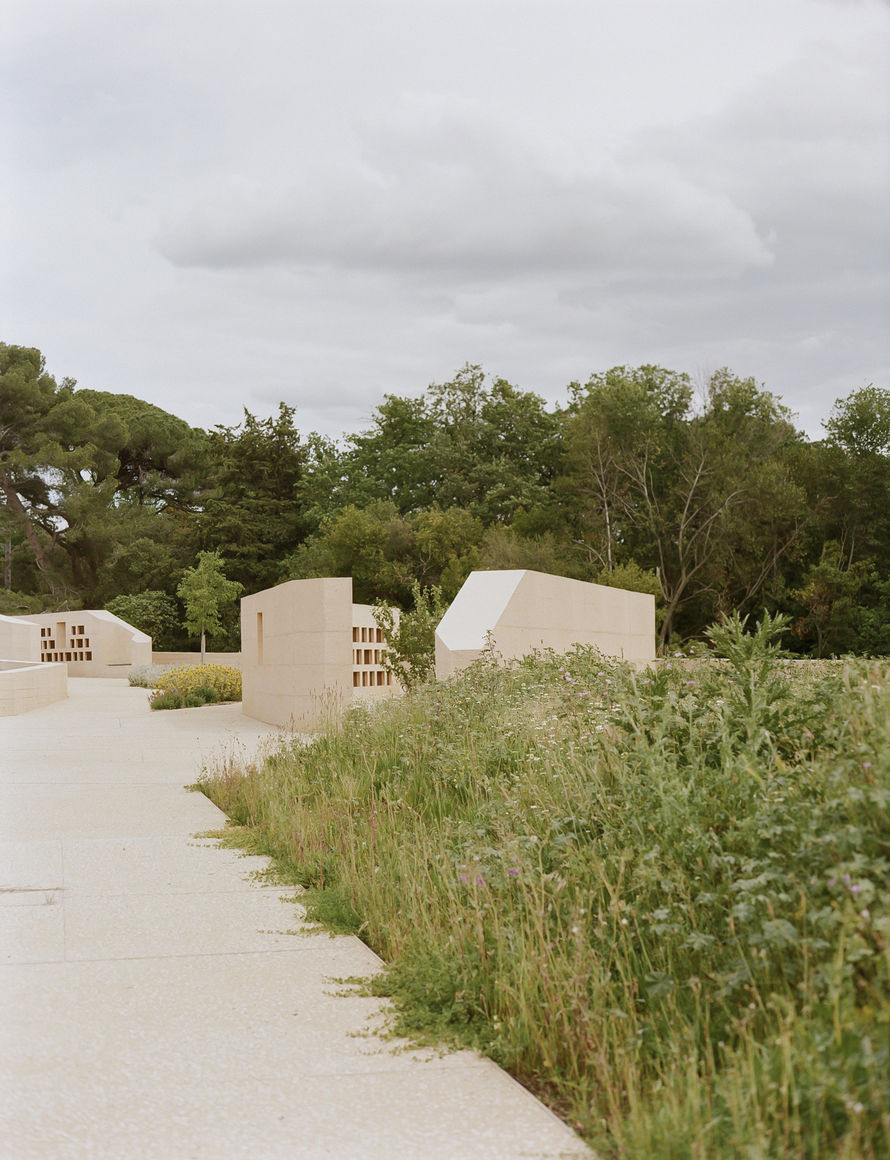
{"x": 710, "y": 499}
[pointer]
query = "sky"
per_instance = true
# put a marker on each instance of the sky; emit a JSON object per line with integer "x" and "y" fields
{"x": 220, "y": 205}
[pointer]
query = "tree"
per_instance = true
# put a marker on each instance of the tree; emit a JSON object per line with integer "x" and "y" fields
{"x": 253, "y": 513}
{"x": 83, "y": 473}
{"x": 488, "y": 448}
{"x": 385, "y": 552}
{"x": 858, "y": 449}
{"x": 204, "y": 590}
{"x": 152, "y": 612}
{"x": 831, "y": 599}
{"x": 679, "y": 492}
{"x": 411, "y": 641}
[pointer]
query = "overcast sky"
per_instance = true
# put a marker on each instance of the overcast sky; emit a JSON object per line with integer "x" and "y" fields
{"x": 213, "y": 205}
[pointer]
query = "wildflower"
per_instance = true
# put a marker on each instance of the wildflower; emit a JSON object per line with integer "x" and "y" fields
{"x": 855, "y": 888}
{"x": 866, "y": 765}
{"x": 514, "y": 870}
{"x": 480, "y": 881}
{"x": 464, "y": 879}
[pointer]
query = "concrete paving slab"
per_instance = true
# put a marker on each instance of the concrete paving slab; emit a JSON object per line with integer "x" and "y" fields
{"x": 151, "y": 1005}
{"x": 475, "y": 1114}
{"x": 29, "y": 866}
{"x": 33, "y": 933}
{"x": 223, "y": 1014}
{"x": 155, "y": 865}
{"x": 120, "y": 926}
{"x": 70, "y": 810}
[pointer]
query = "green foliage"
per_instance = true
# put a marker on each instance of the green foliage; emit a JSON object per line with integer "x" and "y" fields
{"x": 172, "y": 699}
{"x": 661, "y": 898}
{"x": 223, "y": 680}
{"x": 719, "y": 499}
{"x": 252, "y": 514}
{"x": 487, "y": 448}
{"x": 205, "y": 592}
{"x": 860, "y": 423}
{"x": 386, "y": 553}
{"x": 152, "y": 612}
{"x": 704, "y": 500}
{"x": 167, "y": 701}
{"x": 84, "y": 473}
{"x": 411, "y": 637}
{"x": 20, "y": 603}
{"x": 844, "y": 605}
{"x": 508, "y": 548}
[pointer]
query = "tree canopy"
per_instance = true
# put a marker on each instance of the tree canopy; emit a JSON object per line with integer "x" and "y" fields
{"x": 709, "y": 498}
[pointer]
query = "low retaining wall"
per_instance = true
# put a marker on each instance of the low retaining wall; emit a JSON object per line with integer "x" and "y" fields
{"x": 25, "y": 686}
{"x": 194, "y": 658}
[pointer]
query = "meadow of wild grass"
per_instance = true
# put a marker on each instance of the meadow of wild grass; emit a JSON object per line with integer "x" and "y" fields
{"x": 661, "y": 899}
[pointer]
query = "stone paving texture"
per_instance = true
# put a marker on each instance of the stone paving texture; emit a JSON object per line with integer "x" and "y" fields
{"x": 159, "y": 1002}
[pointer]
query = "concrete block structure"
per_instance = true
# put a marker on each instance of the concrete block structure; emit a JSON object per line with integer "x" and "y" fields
{"x": 26, "y": 685}
{"x": 307, "y": 652}
{"x": 90, "y": 643}
{"x": 520, "y": 611}
{"x": 19, "y": 639}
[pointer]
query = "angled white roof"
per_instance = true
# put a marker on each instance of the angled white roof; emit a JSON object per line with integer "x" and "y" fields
{"x": 477, "y": 608}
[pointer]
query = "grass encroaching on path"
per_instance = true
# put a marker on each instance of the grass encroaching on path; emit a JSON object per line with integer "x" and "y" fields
{"x": 660, "y": 899}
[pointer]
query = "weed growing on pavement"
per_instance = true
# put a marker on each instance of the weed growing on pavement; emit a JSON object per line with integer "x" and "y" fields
{"x": 658, "y": 898}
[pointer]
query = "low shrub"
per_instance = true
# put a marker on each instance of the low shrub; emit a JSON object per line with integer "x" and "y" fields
{"x": 146, "y": 676}
{"x": 207, "y": 694}
{"x": 167, "y": 701}
{"x": 223, "y": 679}
{"x": 174, "y": 699}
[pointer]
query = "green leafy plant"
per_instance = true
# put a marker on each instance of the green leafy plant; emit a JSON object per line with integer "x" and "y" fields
{"x": 205, "y": 591}
{"x": 172, "y": 699}
{"x": 152, "y": 612}
{"x": 411, "y": 637}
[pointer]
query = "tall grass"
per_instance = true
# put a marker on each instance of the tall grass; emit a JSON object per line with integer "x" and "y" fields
{"x": 660, "y": 899}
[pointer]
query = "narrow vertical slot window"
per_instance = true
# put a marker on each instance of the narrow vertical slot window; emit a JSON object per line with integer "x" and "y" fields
{"x": 259, "y": 638}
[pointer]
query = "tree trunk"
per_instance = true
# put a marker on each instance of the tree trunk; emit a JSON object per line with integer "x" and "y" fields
{"x": 202, "y": 646}
{"x": 7, "y": 562}
{"x": 40, "y": 556}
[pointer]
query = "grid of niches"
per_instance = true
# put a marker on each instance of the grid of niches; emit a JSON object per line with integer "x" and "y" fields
{"x": 368, "y": 655}
{"x": 74, "y": 646}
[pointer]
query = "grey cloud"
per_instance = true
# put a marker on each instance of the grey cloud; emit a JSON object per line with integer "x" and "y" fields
{"x": 447, "y": 191}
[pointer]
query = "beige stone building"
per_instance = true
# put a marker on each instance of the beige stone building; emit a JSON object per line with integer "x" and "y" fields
{"x": 92, "y": 643}
{"x": 19, "y": 639}
{"x": 25, "y": 683}
{"x": 520, "y": 611}
{"x": 307, "y": 652}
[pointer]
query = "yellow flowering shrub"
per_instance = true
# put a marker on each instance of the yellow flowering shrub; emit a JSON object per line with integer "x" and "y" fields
{"x": 186, "y": 678}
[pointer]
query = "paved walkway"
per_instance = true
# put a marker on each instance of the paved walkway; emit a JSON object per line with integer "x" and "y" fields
{"x": 156, "y": 1004}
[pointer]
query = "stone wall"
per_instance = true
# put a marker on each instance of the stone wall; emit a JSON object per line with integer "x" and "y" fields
{"x": 25, "y": 686}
